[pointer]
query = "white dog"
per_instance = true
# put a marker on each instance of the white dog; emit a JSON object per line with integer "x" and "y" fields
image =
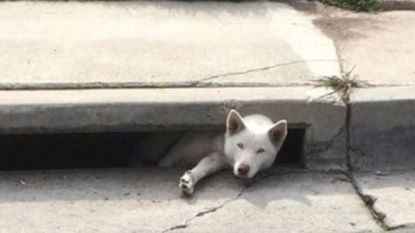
{"x": 249, "y": 145}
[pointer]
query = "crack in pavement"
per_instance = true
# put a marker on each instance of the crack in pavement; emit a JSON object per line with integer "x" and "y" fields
{"x": 368, "y": 200}
{"x": 129, "y": 84}
{"x": 400, "y": 227}
{"x": 324, "y": 146}
{"x": 181, "y": 84}
{"x": 136, "y": 85}
{"x": 209, "y": 211}
{"x": 196, "y": 83}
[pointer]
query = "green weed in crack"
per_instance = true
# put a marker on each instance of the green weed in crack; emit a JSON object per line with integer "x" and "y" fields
{"x": 342, "y": 85}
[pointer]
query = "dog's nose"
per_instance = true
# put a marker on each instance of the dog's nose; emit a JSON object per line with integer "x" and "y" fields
{"x": 243, "y": 169}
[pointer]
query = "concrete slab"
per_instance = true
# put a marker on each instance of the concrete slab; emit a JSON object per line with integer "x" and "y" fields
{"x": 382, "y": 128}
{"x": 378, "y": 46}
{"x": 394, "y": 194}
{"x": 320, "y": 114}
{"x": 157, "y": 43}
{"x": 148, "y": 201}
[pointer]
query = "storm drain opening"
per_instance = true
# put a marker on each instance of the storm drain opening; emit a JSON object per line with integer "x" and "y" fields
{"x": 108, "y": 150}
{"x": 293, "y": 149}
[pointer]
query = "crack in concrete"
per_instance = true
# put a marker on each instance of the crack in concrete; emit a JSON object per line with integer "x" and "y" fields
{"x": 183, "y": 84}
{"x": 197, "y": 83}
{"x": 324, "y": 146}
{"x": 400, "y": 227}
{"x": 209, "y": 211}
{"x": 387, "y": 85}
{"x": 140, "y": 85}
{"x": 368, "y": 200}
{"x": 134, "y": 85}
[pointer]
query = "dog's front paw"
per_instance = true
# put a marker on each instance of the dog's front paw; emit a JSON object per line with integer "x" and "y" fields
{"x": 186, "y": 184}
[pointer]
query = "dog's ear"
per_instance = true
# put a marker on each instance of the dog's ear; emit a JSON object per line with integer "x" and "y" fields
{"x": 234, "y": 123}
{"x": 278, "y": 132}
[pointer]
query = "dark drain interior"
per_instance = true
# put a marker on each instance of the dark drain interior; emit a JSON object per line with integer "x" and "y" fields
{"x": 97, "y": 150}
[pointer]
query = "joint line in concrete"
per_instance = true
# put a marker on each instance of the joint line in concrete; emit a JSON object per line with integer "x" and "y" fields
{"x": 196, "y": 83}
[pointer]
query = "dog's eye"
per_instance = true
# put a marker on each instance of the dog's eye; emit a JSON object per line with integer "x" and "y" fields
{"x": 260, "y": 150}
{"x": 240, "y": 145}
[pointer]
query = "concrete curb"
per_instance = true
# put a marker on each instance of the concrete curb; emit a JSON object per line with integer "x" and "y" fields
{"x": 382, "y": 128}
{"x": 318, "y": 111}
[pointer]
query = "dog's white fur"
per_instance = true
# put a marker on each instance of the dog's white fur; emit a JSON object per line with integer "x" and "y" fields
{"x": 249, "y": 145}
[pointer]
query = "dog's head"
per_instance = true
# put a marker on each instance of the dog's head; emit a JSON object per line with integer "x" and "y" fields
{"x": 252, "y": 142}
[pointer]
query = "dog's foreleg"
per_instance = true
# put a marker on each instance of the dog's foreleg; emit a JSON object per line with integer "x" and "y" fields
{"x": 208, "y": 165}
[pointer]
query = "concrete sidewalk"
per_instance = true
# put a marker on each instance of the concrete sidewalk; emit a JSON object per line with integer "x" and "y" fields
{"x": 159, "y": 44}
